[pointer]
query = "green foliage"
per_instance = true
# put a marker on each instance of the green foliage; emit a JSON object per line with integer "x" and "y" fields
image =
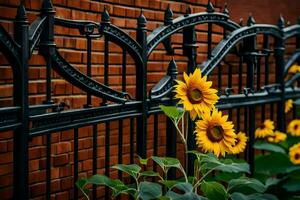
{"x": 263, "y": 145}
{"x": 184, "y": 192}
{"x": 214, "y": 190}
{"x": 149, "y": 190}
{"x": 255, "y": 196}
{"x": 246, "y": 185}
{"x": 132, "y": 169}
{"x": 173, "y": 112}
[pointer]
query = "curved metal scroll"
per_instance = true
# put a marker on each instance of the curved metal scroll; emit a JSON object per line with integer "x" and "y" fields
{"x": 162, "y": 88}
{"x": 291, "y": 61}
{"x": 121, "y": 38}
{"x": 75, "y": 77}
{"x": 10, "y": 49}
{"x": 291, "y": 31}
{"x": 225, "y": 45}
{"x": 35, "y": 31}
{"x": 292, "y": 80}
{"x": 163, "y": 32}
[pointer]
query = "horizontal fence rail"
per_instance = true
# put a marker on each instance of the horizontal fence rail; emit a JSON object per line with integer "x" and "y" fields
{"x": 254, "y": 90}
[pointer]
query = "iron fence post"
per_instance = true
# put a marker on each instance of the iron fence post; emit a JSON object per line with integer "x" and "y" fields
{"x": 279, "y": 61}
{"x": 21, "y": 35}
{"x": 141, "y": 93}
{"x": 250, "y": 44}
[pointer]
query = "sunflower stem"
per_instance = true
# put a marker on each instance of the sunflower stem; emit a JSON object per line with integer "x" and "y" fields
{"x": 202, "y": 178}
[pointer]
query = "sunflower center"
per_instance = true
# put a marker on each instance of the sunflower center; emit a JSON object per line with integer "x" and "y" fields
{"x": 195, "y": 95}
{"x": 215, "y": 133}
{"x": 297, "y": 156}
{"x": 296, "y": 127}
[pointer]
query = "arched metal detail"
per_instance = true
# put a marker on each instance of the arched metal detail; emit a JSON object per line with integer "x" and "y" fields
{"x": 35, "y": 31}
{"x": 291, "y": 61}
{"x": 226, "y": 44}
{"x": 10, "y": 49}
{"x": 75, "y": 77}
{"x": 121, "y": 38}
{"x": 292, "y": 80}
{"x": 291, "y": 31}
{"x": 163, "y": 32}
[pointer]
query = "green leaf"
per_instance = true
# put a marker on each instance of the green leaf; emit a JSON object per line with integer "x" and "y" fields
{"x": 81, "y": 183}
{"x": 255, "y": 196}
{"x": 131, "y": 169}
{"x": 292, "y": 185}
{"x": 277, "y": 163}
{"x": 149, "y": 173}
{"x": 149, "y": 190}
{"x": 184, "y": 191}
{"x": 166, "y": 162}
{"x": 169, "y": 183}
{"x": 262, "y": 145}
{"x": 143, "y": 161}
{"x": 224, "y": 165}
{"x": 272, "y": 181}
{"x": 173, "y": 112}
{"x": 226, "y": 176}
{"x": 214, "y": 190}
{"x": 246, "y": 185}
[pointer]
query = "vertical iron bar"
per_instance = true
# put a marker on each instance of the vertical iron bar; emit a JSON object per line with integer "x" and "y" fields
{"x": 88, "y": 69}
{"x": 141, "y": 86}
{"x": 75, "y": 162}
{"x": 21, "y": 135}
{"x": 155, "y": 139}
{"x": 131, "y": 140}
{"x": 279, "y": 61}
{"x": 209, "y": 41}
{"x": 120, "y": 147}
{"x": 48, "y": 167}
{"x": 95, "y": 146}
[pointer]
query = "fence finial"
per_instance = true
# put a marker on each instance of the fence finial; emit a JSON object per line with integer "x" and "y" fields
{"x": 188, "y": 11}
{"x": 142, "y": 19}
{"x": 226, "y": 11}
{"x": 47, "y": 5}
{"x": 210, "y": 7}
{"x": 105, "y": 18}
{"x": 241, "y": 22}
{"x": 281, "y": 22}
{"x": 21, "y": 13}
{"x": 250, "y": 20}
{"x": 168, "y": 15}
{"x": 172, "y": 69}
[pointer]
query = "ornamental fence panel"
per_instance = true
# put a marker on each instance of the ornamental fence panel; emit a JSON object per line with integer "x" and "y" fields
{"x": 248, "y": 66}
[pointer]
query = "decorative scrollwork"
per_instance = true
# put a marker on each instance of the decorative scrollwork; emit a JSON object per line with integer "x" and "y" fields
{"x": 61, "y": 66}
{"x": 225, "y": 45}
{"x": 163, "y": 88}
{"x": 164, "y": 32}
{"x": 291, "y": 31}
{"x": 35, "y": 31}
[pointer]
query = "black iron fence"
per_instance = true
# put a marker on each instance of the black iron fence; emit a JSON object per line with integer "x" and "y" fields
{"x": 244, "y": 83}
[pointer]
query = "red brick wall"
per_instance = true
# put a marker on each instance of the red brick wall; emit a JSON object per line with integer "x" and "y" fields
{"x": 123, "y": 14}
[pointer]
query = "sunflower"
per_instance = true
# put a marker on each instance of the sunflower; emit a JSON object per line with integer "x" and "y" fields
{"x": 294, "y": 127}
{"x": 294, "y": 153}
{"x": 240, "y": 144}
{"x": 196, "y": 94}
{"x": 277, "y": 137}
{"x": 294, "y": 69}
{"x": 288, "y": 105}
{"x": 265, "y": 129}
{"x": 214, "y": 133}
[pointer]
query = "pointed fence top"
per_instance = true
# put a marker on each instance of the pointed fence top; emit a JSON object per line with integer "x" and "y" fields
{"x": 188, "y": 10}
{"x": 210, "y": 7}
{"x": 47, "y": 5}
{"x": 168, "y": 15}
{"x": 241, "y": 23}
{"x": 281, "y": 22}
{"x": 251, "y": 20}
{"x": 172, "y": 69}
{"x": 142, "y": 19}
{"x": 105, "y": 18}
{"x": 21, "y": 12}
{"x": 226, "y": 11}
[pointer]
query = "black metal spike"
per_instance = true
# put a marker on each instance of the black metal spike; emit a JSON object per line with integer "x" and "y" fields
{"x": 210, "y": 7}
{"x": 172, "y": 69}
{"x": 250, "y": 20}
{"x": 21, "y": 13}
{"x": 142, "y": 19}
{"x": 241, "y": 23}
{"x": 105, "y": 18}
{"x": 168, "y": 15}
{"x": 281, "y": 22}
{"x": 188, "y": 11}
{"x": 226, "y": 11}
{"x": 47, "y": 5}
